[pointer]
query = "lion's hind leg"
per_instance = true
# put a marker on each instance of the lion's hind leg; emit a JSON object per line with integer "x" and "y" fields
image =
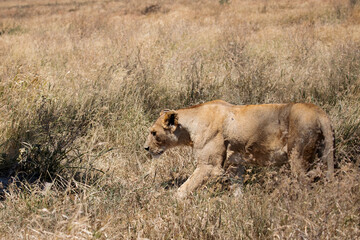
{"x": 302, "y": 152}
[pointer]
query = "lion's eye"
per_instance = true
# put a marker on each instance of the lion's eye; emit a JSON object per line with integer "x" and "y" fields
{"x": 153, "y": 133}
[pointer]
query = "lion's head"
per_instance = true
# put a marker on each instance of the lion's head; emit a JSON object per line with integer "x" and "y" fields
{"x": 163, "y": 134}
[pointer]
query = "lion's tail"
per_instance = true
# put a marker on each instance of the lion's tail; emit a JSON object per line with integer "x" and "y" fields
{"x": 329, "y": 144}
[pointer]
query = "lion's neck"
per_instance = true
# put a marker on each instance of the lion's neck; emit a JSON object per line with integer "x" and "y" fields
{"x": 189, "y": 126}
{"x": 183, "y": 136}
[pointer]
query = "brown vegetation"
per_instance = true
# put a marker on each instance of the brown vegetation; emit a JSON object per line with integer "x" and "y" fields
{"x": 80, "y": 82}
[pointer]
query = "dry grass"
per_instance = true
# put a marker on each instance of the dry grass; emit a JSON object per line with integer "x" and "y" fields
{"x": 80, "y": 82}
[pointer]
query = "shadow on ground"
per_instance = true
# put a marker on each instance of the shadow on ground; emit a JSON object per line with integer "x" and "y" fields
{"x": 174, "y": 182}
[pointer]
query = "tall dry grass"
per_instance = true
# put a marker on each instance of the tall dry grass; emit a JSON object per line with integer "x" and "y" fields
{"x": 81, "y": 81}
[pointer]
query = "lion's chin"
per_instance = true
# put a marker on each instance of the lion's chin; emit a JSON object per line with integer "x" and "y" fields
{"x": 156, "y": 155}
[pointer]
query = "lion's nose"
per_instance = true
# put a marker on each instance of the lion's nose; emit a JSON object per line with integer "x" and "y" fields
{"x": 146, "y": 148}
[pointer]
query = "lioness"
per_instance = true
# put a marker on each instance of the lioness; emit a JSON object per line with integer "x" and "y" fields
{"x": 261, "y": 134}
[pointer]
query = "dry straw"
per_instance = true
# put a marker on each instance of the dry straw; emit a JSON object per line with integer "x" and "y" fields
{"x": 81, "y": 81}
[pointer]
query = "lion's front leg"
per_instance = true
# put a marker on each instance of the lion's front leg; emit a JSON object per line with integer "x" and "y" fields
{"x": 235, "y": 170}
{"x": 201, "y": 174}
{"x": 210, "y": 159}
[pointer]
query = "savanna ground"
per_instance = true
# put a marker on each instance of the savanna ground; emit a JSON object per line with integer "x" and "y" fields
{"x": 82, "y": 80}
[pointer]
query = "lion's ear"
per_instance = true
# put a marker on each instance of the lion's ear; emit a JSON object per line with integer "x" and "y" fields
{"x": 170, "y": 119}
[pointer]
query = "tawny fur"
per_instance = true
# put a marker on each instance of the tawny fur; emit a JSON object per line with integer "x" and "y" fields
{"x": 268, "y": 134}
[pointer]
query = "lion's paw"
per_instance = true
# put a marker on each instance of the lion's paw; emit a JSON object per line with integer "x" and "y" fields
{"x": 180, "y": 195}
